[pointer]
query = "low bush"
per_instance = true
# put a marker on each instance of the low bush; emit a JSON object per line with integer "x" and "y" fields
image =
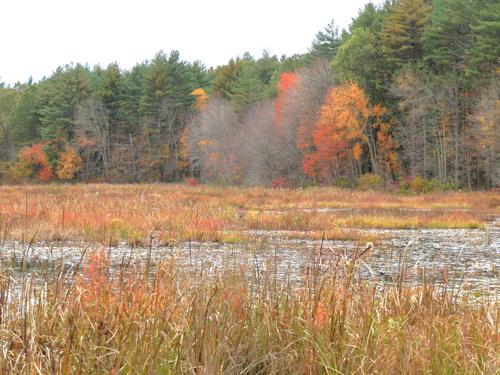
{"x": 370, "y": 181}
{"x": 422, "y": 185}
{"x": 192, "y": 182}
{"x": 343, "y": 183}
{"x": 281, "y": 183}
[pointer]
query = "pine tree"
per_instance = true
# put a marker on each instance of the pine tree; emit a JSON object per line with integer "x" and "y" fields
{"x": 361, "y": 60}
{"x": 200, "y": 75}
{"x": 133, "y": 91}
{"x": 369, "y": 18}
{"x": 266, "y": 67}
{"x": 110, "y": 90}
{"x": 24, "y": 125}
{"x": 293, "y": 63}
{"x": 247, "y": 89}
{"x": 403, "y": 29}
{"x": 155, "y": 85}
{"x": 8, "y": 101}
{"x": 326, "y": 43}
{"x": 449, "y": 35}
{"x": 60, "y": 96}
{"x": 168, "y": 84}
{"x": 225, "y": 77}
{"x": 485, "y": 52}
{"x": 181, "y": 84}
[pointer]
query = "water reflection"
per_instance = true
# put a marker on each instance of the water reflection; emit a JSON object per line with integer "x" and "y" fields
{"x": 469, "y": 257}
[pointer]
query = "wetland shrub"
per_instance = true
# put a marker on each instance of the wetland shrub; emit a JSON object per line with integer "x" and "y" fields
{"x": 370, "y": 181}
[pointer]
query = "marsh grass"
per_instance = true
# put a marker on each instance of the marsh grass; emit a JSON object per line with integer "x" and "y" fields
{"x": 115, "y": 213}
{"x": 164, "y": 319}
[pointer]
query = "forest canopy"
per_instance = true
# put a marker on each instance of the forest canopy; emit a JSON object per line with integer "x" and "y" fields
{"x": 409, "y": 93}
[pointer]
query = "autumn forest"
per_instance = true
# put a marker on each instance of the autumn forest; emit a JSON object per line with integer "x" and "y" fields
{"x": 406, "y": 98}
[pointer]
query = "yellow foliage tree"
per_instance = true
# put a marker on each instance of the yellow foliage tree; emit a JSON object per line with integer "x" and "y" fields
{"x": 201, "y": 98}
{"x": 68, "y": 164}
{"x": 347, "y": 125}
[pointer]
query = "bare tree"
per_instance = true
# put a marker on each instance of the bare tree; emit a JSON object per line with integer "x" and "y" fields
{"x": 92, "y": 134}
{"x": 259, "y": 144}
{"x": 212, "y": 142}
{"x": 484, "y": 136}
{"x": 428, "y": 122}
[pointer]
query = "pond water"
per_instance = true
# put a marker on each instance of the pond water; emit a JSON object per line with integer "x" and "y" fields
{"x": 470, "y": 258}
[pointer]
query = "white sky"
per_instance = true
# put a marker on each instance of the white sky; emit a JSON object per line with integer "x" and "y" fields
{"x": 39, "y": 35}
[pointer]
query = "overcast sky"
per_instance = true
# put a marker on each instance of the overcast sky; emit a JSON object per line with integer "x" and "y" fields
{"x": 39, "y": 35}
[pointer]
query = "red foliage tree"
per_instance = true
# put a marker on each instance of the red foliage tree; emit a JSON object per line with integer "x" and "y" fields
{"x": 36, "y": 161}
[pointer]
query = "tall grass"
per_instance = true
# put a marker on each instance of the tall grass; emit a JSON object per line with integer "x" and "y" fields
{"x": 109, "y": 213}
{"x": 166, "y": 319}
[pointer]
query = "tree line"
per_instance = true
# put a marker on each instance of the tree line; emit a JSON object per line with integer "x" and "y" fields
{"x": 408, "y": 95}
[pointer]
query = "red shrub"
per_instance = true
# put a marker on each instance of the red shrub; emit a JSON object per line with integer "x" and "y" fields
{"x": 192, "y": 182}
{"x": 281, "y": 183}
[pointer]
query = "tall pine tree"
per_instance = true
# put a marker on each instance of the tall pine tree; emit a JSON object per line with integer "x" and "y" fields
{"x": 403, "y": 30}
{"x": 326, "y": 43}
{"x": 247, "y": 89}
{"x": 449, "y": 35}
{"x": 485, "y": 52}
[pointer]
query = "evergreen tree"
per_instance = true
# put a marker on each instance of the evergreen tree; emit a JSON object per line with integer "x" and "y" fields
{"x": 110, "y": 90}
{"x": 485, "y": 52}
{"x": 361, "y": 60}
{"x": 8, "y": 101}
{"x": 168, "y": 83}
{"x": 24, "y": 125}
{"x": 155, "y": 85}
{"x": 266, "y": 67}
{"x": 181, "y": 83}
{"x": 326, "y": 43}
{"x": 402, "y": 31}
{"x": 133, "y": 91}
{"x": 59, "y": 98}
{"x": 225, "y": 77}
{"x": 248, "y": 88}
{"x": 166, "y": 101}
{"x": 369, "y": 18}
{"x": 449, "y": 35}
{"x": 201, "y": 78}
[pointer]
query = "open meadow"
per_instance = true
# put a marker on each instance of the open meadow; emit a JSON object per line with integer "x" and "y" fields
{"x": 164, "y": 279}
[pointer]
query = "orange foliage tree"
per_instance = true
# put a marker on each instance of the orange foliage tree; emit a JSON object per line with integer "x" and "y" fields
{"x": 33, "y": 162}
{"x": 68, "y": 164}
{"x": 348, "y": 128}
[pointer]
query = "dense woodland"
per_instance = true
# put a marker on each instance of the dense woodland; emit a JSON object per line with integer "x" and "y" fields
{"x": 408, "y": 96}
